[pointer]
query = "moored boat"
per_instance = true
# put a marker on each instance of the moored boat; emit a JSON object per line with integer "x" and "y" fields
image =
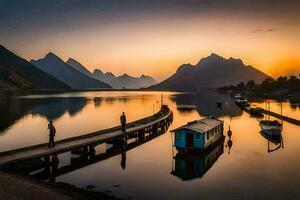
{"x": 271, "y": 127}
{"x": 241, "y": 101}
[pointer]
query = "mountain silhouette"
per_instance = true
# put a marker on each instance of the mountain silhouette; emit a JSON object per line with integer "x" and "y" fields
{"x": 16, "y": 72}
{"x": 123, "y": 81}
{"x": 56, "y": 67}
{"x": 74, "y": 63}
{"x": 212, "y": 71}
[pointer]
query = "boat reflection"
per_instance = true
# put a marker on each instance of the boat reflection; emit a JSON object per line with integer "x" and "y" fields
{"x": 191, "y": 166}
{"x": 277, "y": 141}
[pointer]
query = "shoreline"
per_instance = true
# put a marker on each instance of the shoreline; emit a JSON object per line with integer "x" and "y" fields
{"x": 15, "y": 186}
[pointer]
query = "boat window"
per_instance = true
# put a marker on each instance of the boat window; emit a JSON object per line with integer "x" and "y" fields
{"x": 197, "y": 136}
{"x": 207, "y": 135}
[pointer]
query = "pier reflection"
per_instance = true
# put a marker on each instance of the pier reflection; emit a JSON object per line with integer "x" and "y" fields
{"x": 191, "y": 166}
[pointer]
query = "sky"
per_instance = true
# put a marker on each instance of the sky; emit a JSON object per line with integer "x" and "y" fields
{"x": 155, "y": 37}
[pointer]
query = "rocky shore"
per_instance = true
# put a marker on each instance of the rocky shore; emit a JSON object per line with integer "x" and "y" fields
{"x": 14, "y": 187}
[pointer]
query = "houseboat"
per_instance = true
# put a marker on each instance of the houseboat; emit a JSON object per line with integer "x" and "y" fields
{"x": 199, "y": 135}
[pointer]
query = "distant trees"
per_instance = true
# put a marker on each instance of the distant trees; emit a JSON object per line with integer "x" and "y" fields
{"x": 282, "y": 85}
{"x": 251, "y": 85}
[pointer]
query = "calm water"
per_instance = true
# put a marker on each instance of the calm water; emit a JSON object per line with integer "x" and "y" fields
{"x": 153, "y": 170}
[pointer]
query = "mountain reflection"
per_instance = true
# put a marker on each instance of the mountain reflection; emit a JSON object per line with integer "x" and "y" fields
{"x": 205, "y": 102}
{"x": 53, "y": 108}
{"x": 13, "y": 109}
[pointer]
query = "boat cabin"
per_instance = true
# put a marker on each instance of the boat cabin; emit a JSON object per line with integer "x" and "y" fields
{"x": 198, "y": 135}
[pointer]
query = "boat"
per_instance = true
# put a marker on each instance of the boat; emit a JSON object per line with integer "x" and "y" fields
{"x": 199, "y": 135}
{"x": 271, "y": 127}
{"x": 241, "y": 101}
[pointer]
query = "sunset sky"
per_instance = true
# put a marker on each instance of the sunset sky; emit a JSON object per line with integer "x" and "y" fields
{"x": 155, "y": 37}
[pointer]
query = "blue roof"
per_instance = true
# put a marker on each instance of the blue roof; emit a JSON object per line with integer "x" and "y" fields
{"x": 202, "y": 125}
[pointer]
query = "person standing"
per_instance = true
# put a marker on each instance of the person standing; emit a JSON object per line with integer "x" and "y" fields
{"x": 52, "y": 132}
{"x": 123, "y": 122}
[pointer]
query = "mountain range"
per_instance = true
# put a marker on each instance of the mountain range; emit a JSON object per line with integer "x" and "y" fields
{"x": 118, "y": 82}
{"x": 17, "y": 73}
{"x": 51, "y": 72}
{"x": 211, "y": 72}
{"x": 56, "y": 67}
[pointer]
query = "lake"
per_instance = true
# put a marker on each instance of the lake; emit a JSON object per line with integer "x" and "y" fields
{"x": 245, "y": 166}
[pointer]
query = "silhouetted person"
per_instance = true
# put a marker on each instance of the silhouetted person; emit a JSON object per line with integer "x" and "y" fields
{"x": 123, "y": 122}
{"x": 52, "y": 132}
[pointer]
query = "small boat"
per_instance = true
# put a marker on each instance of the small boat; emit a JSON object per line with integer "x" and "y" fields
{"x": 199, "y": 135}
{"x": 241, "y": 101}
{"x": 271, "y": 127}
{"x": 238, "y": 96}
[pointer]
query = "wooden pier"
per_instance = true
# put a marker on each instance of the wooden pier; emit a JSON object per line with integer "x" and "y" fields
{"x": 86, "y": 143}
{"x": 278, "y": 116}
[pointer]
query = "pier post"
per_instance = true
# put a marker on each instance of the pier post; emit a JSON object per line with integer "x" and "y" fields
{"x": 91, "y": 151}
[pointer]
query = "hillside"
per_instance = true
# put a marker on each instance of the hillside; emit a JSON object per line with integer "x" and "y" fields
{"x": 17, "y": 73}
{"x": 56, "y": 67}
{"x": 118, "y": 82}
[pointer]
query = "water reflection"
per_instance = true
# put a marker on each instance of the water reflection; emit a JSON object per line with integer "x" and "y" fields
{"x": 274, "y": 143}
{"x": 13, "y": 109}
{"x": 191, "y": 166}
{"x": 207, "y": 102}
{"x": 229, "y": 140}
{"x": 137, "y": 170}
{"x": 53, "y": 108}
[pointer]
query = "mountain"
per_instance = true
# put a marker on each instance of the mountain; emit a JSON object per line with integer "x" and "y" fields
{"x": 16, "y": 72}
{"x": 123, "y": 81}
{"x": 56, "y": 67}
{"x": 212, "y": 71}
{"x": 74, "y": 63}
